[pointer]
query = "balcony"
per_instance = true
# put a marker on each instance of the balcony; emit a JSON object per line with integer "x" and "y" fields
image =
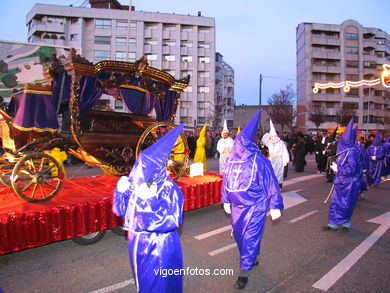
{"x": 326, "y": 55}
{"x": 54, "y": 27}
{"x": 326, "y": 69}
{"x": 325, "y": 41}
{"x": 186, "y": 51}
{"x": 168, "y": 50}
{"x": 184, "y": 36}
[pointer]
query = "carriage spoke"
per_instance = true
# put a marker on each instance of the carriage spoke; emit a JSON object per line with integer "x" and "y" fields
{"x": 50, "y": 186}
{"x": 34, "y": 190}
{"x": 27, "y": 185}
{"x": 43, "y": 191}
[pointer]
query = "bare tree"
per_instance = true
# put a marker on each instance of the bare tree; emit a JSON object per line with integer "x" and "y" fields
{"x": 344, "y": 114}
{"x": 281, "y": 108}
{"x": 316, "y": 114}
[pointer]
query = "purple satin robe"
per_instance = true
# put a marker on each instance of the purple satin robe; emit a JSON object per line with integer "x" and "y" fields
{"x": 153, "y": 242}
{"x": 250, "y": 185}
{"x": 347, "y": 186}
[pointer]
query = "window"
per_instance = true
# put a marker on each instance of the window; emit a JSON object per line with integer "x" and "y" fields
{"x": 121, "y": 41}
{"x": 352, "y": 77}
{"x": 204, "y": 59}
{"x": 187, "y": 29}
{"x": 329, "y": 105}
{"x": 203, "y": 74}
{"x": 204, "y": 30}
{"x": 102, "y": 55}
{"x": 169, "y": 58}
{"x": 351, "y": 36}
{"x": 102, "y": 40}
{"x": 352, "y": 50}
{"x": 203, "y": 105}
{"x": 369, "y": 64}
{"x": 316, "y": 34}
{"x": 186, "y": 104}
{"x": 103, "y": 23}
{"x": 132, "y": 41}
{"x": 169, "y": 43}
{"x": 150, "y": 42}
{"x": 188, "y": 89}
{"x": 122, "y": 25}
{"x": 151, "y": 57}
{"x": 170, "y": 28}
{"x": 353, "y": 92}
{"x": 186, "y": 58}
{"x": 118, "y": 105}
{"x": 74, "y": 37}
{"x": 204, "y": 45}
{"x": 203, "y": 89}
{"x": 380, "y": 41}
{"x": 352, "y": 64}
{"x": 378, "y": 106}
{"x": 151, "y": 26}
{"x": 74, "y": 20}
{"x": 380, "y": 54}
{"x": 55, "y": 19}
{"x": 186, "y": 44}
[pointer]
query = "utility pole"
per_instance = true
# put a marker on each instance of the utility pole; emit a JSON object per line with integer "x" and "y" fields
{"x": 261, "y": 80}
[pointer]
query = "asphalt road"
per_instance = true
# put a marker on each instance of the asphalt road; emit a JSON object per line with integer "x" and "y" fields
{"x": 297, "y": 255}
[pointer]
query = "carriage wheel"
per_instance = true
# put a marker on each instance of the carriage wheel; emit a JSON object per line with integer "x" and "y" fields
{"x": 6, "y": 168}
{"x": 178, "y": 160}
{"x": 37, "y": 177}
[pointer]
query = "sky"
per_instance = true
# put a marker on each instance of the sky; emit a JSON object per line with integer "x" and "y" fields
{"x": 254, "y": 36}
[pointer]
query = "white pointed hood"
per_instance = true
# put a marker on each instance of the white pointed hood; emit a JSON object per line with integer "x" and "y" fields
{"x": 225, "y": 129}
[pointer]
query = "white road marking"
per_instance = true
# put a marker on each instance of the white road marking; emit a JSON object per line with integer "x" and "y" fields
{"x": 115, "y": 287}
{"x": 303, "y": 216}
{"x": 342, "y": 267}
{"x": 214, "y": 232}
{"x": 223, "y": 249}
{"x": 301, "y": 179}
{"x": 290, "y": 199}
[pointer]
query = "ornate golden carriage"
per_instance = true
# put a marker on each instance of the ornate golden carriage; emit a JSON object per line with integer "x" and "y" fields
{"x": 104, "y": 138}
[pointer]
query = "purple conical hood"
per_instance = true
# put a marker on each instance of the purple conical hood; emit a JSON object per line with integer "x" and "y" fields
{"x": 250, "y": 129}
{"x": 150, "y": 164}
{"x": 244, "y": 144}
{"x": 377, "y": 140}
{"x": 346, "y": 139}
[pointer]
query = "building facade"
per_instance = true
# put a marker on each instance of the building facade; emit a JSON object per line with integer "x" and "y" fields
{"x": 336, "y": 53}
{"x": 224, "y": 92}
{"x": 178, "y": 44}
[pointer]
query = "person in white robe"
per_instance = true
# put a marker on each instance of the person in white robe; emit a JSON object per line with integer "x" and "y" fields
{"x": 278, "y": 153}
{"x": 224, "y": 147}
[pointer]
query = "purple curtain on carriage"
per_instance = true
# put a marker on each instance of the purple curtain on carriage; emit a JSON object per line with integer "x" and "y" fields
{"x": 165, "y": 107}
{"x": 36, "y": 112}
{"x": 90, "y": 93}
{"x": 61, "y": 87}
{"x": 137, "y": 102}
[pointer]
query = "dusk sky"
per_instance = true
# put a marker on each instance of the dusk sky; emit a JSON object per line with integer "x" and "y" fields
{"x": 254, "y": 36}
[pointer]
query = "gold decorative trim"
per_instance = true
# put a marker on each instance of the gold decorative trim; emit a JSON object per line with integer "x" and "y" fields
{"x": 34, "y": 128}
{"x": 38, "y": 92}
{"x": 132, "y": 87}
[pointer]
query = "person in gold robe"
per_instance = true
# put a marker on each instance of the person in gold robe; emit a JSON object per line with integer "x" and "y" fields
{"x": 200, "y": 153}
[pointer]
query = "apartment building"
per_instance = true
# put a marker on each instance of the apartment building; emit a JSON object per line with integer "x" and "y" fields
{"x": 336, "y": 53}
{"x": 177, "y": 44}
{"x": 224, "y": 92}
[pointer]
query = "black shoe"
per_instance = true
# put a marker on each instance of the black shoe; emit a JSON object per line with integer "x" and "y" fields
{"x": 241, "y": 282}
{"x": 345, "y": 229}
{"x": 327, "y": 228}
{"x": 256, "y": 263}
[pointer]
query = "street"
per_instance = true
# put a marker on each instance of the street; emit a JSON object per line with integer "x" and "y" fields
{"x": 296, "y": 254}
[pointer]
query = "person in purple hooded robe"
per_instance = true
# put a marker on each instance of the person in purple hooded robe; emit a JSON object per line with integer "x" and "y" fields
{"x": 249, "y": 189}
{"x": 152, "y": 207}
{"x": 386, "y": 162}
{"x": 365, "y": 160}
{"x": 348, "y": 170}
{"x": 376, "y": 153}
